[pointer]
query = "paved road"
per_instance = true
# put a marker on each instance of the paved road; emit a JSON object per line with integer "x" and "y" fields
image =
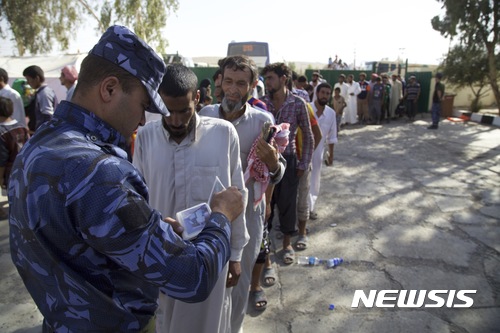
{"x": 415, "y": 210}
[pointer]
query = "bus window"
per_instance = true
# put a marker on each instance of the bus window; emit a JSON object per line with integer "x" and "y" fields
{"x": 258, "y": 51}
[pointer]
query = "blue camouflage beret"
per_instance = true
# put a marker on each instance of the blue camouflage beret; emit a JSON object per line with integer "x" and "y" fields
{"x": 125, "y": 49}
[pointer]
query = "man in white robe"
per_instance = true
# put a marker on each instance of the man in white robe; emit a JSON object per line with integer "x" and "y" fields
{"x": 342, "y": 85}
{"x": 239, "y": 75}
{"x": 179, "y": 157}
{"x": 396, "y": 95}
{"x": 328, "y": 124}
{"x": 351, "y": 110}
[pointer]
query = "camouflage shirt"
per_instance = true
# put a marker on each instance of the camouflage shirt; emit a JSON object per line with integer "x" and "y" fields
{"x": 90, "y": 250}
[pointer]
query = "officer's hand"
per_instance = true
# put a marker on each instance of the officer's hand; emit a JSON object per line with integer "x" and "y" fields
{"x": 178, "y": 228}
{"x": 228, "y": 202}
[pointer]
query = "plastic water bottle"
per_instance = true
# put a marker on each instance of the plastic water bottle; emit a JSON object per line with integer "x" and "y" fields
{"x": 331, "y": 263}
{"x": 310, "y": 261}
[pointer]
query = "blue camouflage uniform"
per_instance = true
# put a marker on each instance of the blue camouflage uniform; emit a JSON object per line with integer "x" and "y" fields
{"x": 90, "y": 250}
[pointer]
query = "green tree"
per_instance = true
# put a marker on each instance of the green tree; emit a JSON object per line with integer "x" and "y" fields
{"x": 467, "y": 67}
{"x": 476, "y": 25}
{"x": 37, "y": 26}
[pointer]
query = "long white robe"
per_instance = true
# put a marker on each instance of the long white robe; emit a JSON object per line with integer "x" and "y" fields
{"x": 328, "y": 125}
{"x": 249, "y": 127}
{"x": 180, "y": 176}
{"x": 351, "y": 110}
{"x": 343, "y": 89}
{"x": 396, "y": 95}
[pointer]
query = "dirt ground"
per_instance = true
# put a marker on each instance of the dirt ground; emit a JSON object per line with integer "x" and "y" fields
{"x": 413, "y": 209}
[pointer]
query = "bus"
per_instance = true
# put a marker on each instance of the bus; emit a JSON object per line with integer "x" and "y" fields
{"x": 257, "y": 51}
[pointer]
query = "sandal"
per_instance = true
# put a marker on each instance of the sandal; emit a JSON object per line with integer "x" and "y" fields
{"x": 259, "y": 300}
{"x": 288, "y": 256}
{"x": 301, "y": 243}
{"x": 269, "y": 277}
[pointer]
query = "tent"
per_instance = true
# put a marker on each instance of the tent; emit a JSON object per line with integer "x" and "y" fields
{"x": 51, "y": 65}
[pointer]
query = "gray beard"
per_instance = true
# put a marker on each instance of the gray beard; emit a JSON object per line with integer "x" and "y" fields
{"x": 231, "y": 107}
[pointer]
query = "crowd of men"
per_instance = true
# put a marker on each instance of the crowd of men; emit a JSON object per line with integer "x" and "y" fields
{"x": 382, "y": 99}
{"x": 91, "y": 227}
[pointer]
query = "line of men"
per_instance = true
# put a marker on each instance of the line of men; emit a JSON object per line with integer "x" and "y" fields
{"x": 88, "y": 231}
{"x": 384, "y": 99}
{"x": 188, "y": 134}
{"x": 381, "y": 98}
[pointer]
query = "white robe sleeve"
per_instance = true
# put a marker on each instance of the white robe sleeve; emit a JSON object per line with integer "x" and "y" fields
{"x": 137, "y": 159}
{"x": 357, "y": 89}
{"x": 239, "y": 232}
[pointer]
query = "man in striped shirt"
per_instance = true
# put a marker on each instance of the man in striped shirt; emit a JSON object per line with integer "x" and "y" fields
{"x": 288, "y": 108}
{"x": 412, "y": 93}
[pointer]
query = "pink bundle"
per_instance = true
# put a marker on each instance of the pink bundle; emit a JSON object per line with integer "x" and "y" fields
{"x": 258, "y": 169}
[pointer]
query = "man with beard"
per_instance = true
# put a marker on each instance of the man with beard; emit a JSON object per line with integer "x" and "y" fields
{"x": 288, "y": 108}
{"x": 179, "y": 157}
{"x": 316, "y": 79}
{"x": 239, "y": 78}
{"x": 327, "y": 122}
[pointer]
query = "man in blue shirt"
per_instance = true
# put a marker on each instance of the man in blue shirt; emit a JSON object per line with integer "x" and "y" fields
{"x": 89, "y": 248}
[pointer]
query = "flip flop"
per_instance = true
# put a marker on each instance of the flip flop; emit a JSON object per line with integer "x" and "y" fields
{"x": 269, "y": 277}
{"x": 301, "y": 243}
{"x": 288, "y": 256}
{"x": 259, "y": 300}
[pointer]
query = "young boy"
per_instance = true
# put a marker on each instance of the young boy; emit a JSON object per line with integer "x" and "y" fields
{"x": 338, "y": 104}
{"x": 13, "y": 136}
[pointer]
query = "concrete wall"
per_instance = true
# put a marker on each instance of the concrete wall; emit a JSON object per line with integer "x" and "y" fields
{"x": 465, "y": 96}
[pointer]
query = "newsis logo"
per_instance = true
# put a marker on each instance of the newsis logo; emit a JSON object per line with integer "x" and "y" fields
{"x": 414, "y": 298}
